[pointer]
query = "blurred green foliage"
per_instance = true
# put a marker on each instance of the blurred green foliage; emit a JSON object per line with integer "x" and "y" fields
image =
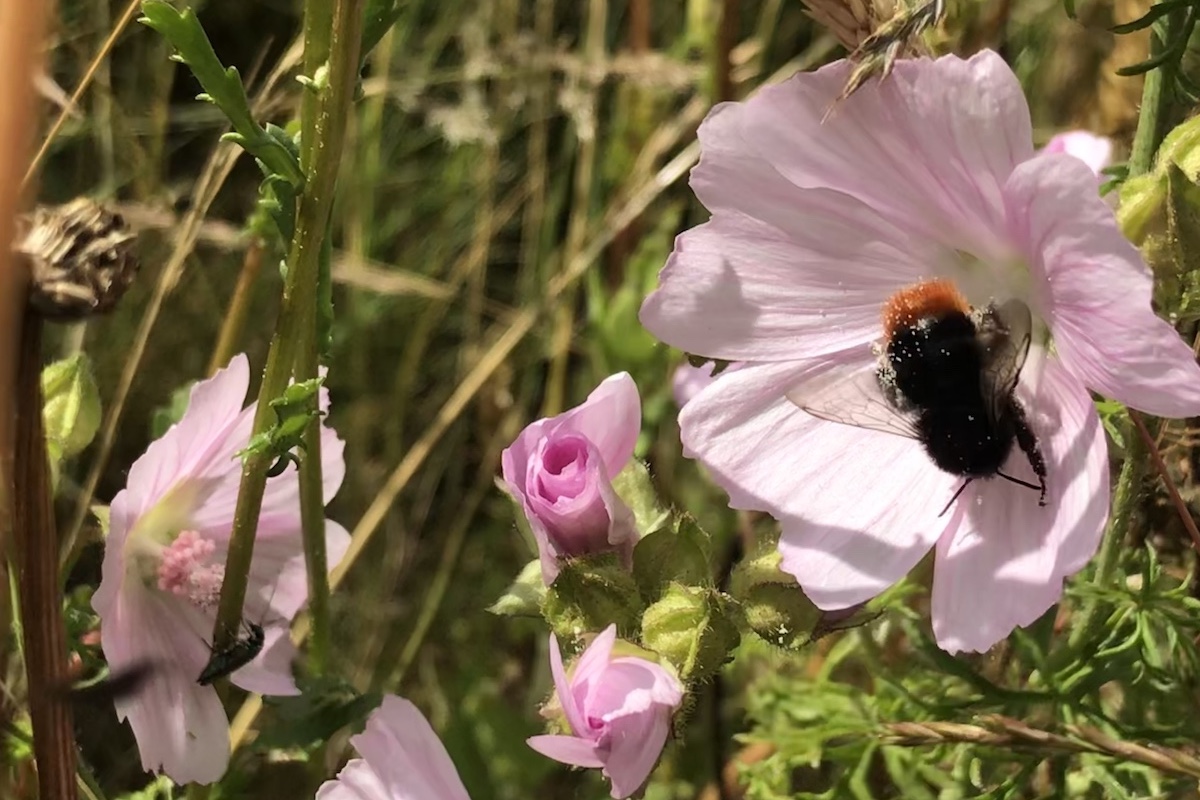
{"x": 493, "y": 144}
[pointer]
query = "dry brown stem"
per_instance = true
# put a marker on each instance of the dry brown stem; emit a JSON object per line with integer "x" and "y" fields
{"x": 995, "y": 730}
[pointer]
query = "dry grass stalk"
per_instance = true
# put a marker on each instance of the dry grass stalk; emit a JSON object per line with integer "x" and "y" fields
{"x": 995, "y": 730}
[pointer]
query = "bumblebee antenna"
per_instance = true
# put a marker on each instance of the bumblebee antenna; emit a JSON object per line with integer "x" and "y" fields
{"x": 1040, "y": 485}
{"x": 966, "y": 483}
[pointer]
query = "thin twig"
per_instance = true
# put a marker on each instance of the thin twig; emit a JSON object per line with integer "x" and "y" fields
{"x": 239, "y": 306}
{"x": 84, "y": 83}
{"x": 1185, "y": 515}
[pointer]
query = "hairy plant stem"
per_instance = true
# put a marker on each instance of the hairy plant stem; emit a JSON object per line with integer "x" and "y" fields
{"x": 36, "y": 539}
{"x": 297, "y": 317}
{"x": 1152, "y": 118}
{"x": 1145, "y": 143}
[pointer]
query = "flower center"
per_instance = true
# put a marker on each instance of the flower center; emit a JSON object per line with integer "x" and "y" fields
{"x": 186, "y": 569}
{"x": 564, "y": 468}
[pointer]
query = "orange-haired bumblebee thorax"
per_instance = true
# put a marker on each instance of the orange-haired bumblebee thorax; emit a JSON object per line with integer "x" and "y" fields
{"x": 926, "y": 299}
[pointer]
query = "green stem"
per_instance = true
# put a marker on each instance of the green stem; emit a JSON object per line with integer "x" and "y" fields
{"x": 1152, "y": 119}
{"x": 1124, "y": 501}
{"x": 312, "y": 516}
{"x": 297, "y": 316}
{"x": 318, "y": 27}
{"x": 1150, "y": 130}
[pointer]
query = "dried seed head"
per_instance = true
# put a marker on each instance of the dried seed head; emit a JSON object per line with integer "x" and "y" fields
{"x": 81, "y": 259}
{"x": 851, "y": 21}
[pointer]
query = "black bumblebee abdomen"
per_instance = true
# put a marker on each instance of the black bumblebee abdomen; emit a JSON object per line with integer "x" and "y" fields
{"x": 936, "y": 366}
{"x": 963, "y": 440}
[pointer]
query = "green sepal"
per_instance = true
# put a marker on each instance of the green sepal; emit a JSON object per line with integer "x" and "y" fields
{"x": 635, "y": 488}
{"x": 693, "y": 628}
{"x": 672, "y": 556}
{"x": 525, "y": 596}
{"x": 71, "y": 405}
{"x": 591, "y": 593}
{"x": 773, "y": 605}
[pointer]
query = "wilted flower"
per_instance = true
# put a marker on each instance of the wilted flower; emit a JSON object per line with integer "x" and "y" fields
{"x": 561, "y": 470}
{"x": 618, "y": 710}
{"x": 1095, "y": 151}
{"x": 928, "y": 175}
{"x": 164, "y": 565}
{"x": 402, "y": 759}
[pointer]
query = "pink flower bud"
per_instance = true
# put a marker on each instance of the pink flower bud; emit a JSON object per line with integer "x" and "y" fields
{"x": 618, "y": 710}
{"x": 561, "y": 470}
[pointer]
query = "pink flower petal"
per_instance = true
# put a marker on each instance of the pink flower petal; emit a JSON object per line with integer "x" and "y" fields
{"x": 737, "y": 289}
{"x": 1095, "y": 151}
{"x": 1098, "y": 296}
{"x": 181, "y": 727}
{"x": 562, "y": 687}
{"x": 622, "y": 527}
{"x": 631, "y": 686}
{"x": 930, "y": 148}
{"x": 636, "y": 744}
{"x": 567, "y": 750}
{"x": 595, "y": 658}
{"x": 404, "y": 751}
{"x": 356, "y": 781}
{"x": 611, "y": 418}
{"x": 846, "y": 497}
{"x": 213, "y": 408}
{"x": 1002, "y": 562}
{"x": 270, "y": 673}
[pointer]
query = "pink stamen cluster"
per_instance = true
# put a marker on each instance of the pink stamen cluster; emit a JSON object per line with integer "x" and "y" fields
{"x": 185, "y": 570}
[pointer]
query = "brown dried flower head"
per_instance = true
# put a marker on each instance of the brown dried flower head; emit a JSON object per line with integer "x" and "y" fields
{"x": 81, "y": 259}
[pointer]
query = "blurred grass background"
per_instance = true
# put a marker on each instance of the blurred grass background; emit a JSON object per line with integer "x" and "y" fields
{"x": 496, "y": 143}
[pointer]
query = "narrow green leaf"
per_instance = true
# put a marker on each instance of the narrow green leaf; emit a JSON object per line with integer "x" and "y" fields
{"x": 222, "y": 85}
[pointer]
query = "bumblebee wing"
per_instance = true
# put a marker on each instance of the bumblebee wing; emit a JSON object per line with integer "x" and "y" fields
{"x": 1006, "y": 332}
{"x": 851, "y": 395}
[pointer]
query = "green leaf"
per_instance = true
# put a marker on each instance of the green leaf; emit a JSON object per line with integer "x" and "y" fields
{"x": 1146, "y": 20}
{"x": 222, "y": 86}
{"x": 293, "y": 411}
{"x": 324, "y": 706}
{"x": 167, "y": 415}
{"x": 525, "y": 596}
{"x": 381, "y": 15}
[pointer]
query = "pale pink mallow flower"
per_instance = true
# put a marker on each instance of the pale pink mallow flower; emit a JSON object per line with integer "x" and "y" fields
{"x": 618, "y": 709}
{"x": 402, "y": 759}
{"x": 689, "y": 381}
{"x": 1095, "y": 151}
{"x": 561, "y": 469}
{"x": 929, "y": 174}
{"x": 164, "y": 565}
